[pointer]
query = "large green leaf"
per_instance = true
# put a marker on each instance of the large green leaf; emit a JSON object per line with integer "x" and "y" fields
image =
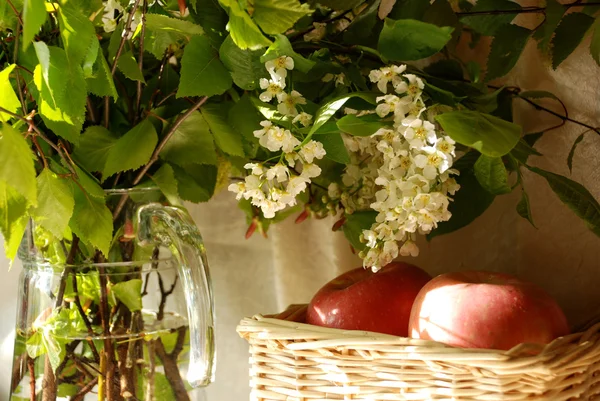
{"x": 408, "y": 9}
{"x": 93, "y": 148}
{"x": 132, "y": 150}
{"x": 283, "y": 47}
{"x": 568, "y": 35}
{"x": 244, "y": 118}
{"x": 554, "y": 13}
{"x": 130, "y": 293}
{"x": 164, "y": 178}
{"x": 334, "y": 147}
{"x": 92, "y": 221}
{"x": 163, "y": 31}
{"x": 8, "y": 98}
{"x": 13, "y": 218}
{"x": 277, "y": 16}
{"x": 101, "y": 82}
{"x": 469, "y": 203}
{"x": 55, "y": 203}
{"x": 245, "y": 65}
{"x": 595, "y": 43}
{"x": 506, "y": 49}
{"x": 327, "y": 111}
{"x": 196, "y": 182}
{"x": 191, "y": 143}
{"x": 490, "y": 135}
{"x": 129, "y": 66}
{"x": 213, "y": 19}
{"x": 488, "y": 24}
{"x": 405, "y": 40}
{"x": 355, "y": 224}
{"x": 202, "y": 73}
{"x": 16, "y": 168}
{"x": 226, "y": 137}
{"x": 243, "y": 30}
{"x": 34, "y": 16}
{"x": 76, "y": 31}
{"x": 575, "y": 196}
{"x": 523, "y": 150}
{"x": 62, "y": 92}
{"x": 492, "y": 175}
{"x": 360, "y": 126}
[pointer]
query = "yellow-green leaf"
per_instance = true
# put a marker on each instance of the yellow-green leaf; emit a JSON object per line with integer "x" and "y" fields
{"x": 55, "y": 203}
{"x": 8, "y": 98}
{"x": 130, "y": 293}
{"x": 17, "y": 168}
{"x": 132, "y": 150}
{"x": 34, "y": 16}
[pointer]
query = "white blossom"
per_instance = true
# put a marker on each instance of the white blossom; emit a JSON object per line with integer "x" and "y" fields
{"x": 312, "y": 150}
{"x": 287, "y": 103}
{"x": 278, "y": 67}
{"x": 386, "y": 75}
{"x": 303, "y": 118}
{"x": 272, "y": 88}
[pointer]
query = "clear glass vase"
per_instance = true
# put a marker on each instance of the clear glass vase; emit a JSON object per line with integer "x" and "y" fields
{"x": 133, "y": 325}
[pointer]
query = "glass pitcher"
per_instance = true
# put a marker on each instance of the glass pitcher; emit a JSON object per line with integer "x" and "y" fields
{"x": 134, "y": 325}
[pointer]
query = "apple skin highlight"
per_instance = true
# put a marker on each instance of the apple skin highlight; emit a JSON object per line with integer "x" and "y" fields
{"x": 476, "y": 309}
{"x": 363, "y": 300}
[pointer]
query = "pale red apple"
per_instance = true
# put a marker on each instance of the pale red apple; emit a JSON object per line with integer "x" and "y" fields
{"x": 363, "y": 300}
{"x": 476, "y": 309}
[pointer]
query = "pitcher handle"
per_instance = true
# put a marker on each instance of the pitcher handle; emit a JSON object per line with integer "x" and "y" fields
{"x": 174, "y": 228}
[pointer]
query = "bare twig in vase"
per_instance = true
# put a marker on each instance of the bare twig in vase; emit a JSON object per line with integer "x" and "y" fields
{"x": 31, "y": 366}
{"x": 88, "y": 387}
{"x": 170, "y": 365}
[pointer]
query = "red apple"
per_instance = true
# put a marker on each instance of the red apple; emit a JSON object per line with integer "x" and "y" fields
{"x": 476, "y": 309}
{"x": 363, "y": 300}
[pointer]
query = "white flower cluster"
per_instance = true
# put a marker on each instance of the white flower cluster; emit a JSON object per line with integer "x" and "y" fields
{"x": 273, "y": 188}
{"x": 113, "y": 8}
{"x": 402, "y": 172}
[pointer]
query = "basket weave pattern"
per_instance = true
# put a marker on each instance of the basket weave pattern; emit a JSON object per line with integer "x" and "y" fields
{"x": 293, "y": 361}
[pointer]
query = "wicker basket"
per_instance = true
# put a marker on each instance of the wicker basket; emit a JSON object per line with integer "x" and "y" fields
{"x": 293, "y": 361}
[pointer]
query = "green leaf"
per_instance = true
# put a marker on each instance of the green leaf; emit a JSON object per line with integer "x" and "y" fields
{"x": 89, "y": 184}
{"x": 227, "y": 139}
{"x": 334, "y": 147}
{"x": 163, "y": 31}
{"x": 524, "y": 208}
{"x": 405, "y": 40}
{"x": 130, "y": 293}
{"x": 101, "y": 82}
{"x": 90, "y": 58}
{"x": 327, "y": 111}
{"x": 360, "y": 126}
{"x": 196, "y": 182}
{"x": 441, "y": 96}
{"x": 93, "y": 148}
{"x": 17, "y": 168}
{"x": 191, "y": 143}
{"x": 13, "y": 218}
{"x": 35, "y": 345}
{"x": 492, "y": 175}
{"x": 507, "y": 46}
{"x": 164, "y": 178}
{"x": 469, "y": 203}
{"x": 489, "y": 24}
{"x": 76, "y": 31}
{"x": 92, "y": 221}
{"x": 8, "y": 98}
{"x": 202, "y": 73}
{"x": 34, "y": 16}
{"x": 554, "y": 13}
{"x": 283, "y": 47}
{"x": 531, "y": 139}
{"x": 355, "y": 224}
{"x": 364, "y": 25}
{"x": 277, "y": 16}
{"x": 441, "y": 13}
{"x": 568, "y": 35}
{"x": 409, "y": 9}
{"x": 245, "y": 119}
{"x": 55, "y": 203}
{"x": 244, "y": 65}
{"x": 523, "y": 150}
{"x": 572, "y": 151}
{"x": 595, "y": 44}
{"x": 129, "y": 66}
{"x": 338, "y": 4}
{"x": 449, "y": 69}
{"x": 211, "y": 16}
{"x": 62, "y": 91}
{"x": 490, "y": 135}
{"x": 575, "y": 196}
{"x": 243, "y": 30}
{"x": 8, "y": 19}
{"x": 132, "y": 150}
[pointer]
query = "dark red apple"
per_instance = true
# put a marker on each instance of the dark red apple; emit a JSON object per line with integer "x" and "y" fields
{"x": 363, "y": 300}
{"x": 475, "y": 309}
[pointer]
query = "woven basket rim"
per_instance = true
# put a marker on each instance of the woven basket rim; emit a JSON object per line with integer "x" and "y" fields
{"x": 316, "y": 337}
